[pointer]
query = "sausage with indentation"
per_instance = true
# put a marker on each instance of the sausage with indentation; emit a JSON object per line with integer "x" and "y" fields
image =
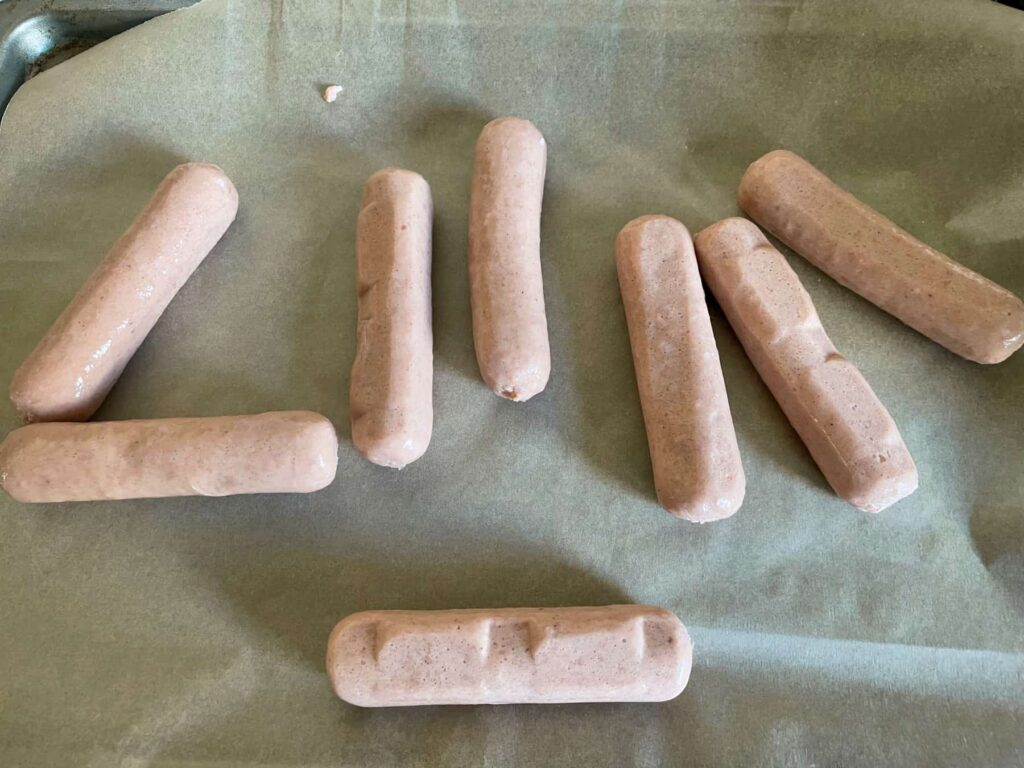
{"x": 509, "y": 656}
{"x": 866, "y": 252}
{"x": 390, "y": 399}
{"x": 278, "y": 452}
{"x": 510, "y": 331}
{"x": 698, "y": 474}
{"x": 73, "y": 368}
{"x": 848, "y": 431}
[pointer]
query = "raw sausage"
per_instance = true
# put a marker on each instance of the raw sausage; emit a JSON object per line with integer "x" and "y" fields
{"x": 510, "y": 330}
{"x": 855, "y": 244}
{"x": 698, "y": 474}
{"x": 848, "y": 431}
{"x": 390, "y": 399}
{"x": 285, "y": 451}
{"x": 73, "y": 368}
{"x": 509, "y": 656}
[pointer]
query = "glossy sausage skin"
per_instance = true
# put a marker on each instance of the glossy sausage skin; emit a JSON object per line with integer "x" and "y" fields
{"x": 848, "y": 431}
{"x": 75, "y": 365}
{"x": 390, "y": 399}
{"x": 866, "y": 252}
{"x": 510, "y": 330}
{"x": 509, "y": 656}
{"x": 278, "y": 452}
{"x": 698, "y": 474}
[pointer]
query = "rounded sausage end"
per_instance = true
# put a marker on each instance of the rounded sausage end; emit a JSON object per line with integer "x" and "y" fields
{"x": 347, "y": 645}
{"x": 393, "y": 180}
{"x": 394, "y": 451}
{"x": 320, "y": 453}
{"x": 881, "y": 480}
{"x": 733, "y": 228}
{"x": 1004, "y": 339}
{"x": 20, "y": 400}
{"x": 651, "y": 224}
{"x": 754, "y": 177}
{"x": 507, "y": 129}
{"x": 521, "y": 388}
{"x": 29, "y": 396}
{"x": 705, "y": 507}
{"x": 675, "y": 640}
{"x": 12, "y": 468}
{"x": 654, "y": 220}
{"x": 212, "y": 178}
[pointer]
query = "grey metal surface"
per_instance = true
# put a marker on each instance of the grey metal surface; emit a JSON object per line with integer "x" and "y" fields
{"x": 36, "y": 34}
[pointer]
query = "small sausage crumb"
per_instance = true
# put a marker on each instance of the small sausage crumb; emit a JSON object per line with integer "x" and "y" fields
{"x": 331, "y": 93}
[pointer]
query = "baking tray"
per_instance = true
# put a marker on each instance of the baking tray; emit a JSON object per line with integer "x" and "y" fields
{"x": 38, "y": 34}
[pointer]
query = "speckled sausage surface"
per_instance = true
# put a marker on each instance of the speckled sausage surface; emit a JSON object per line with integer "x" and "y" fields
{"x": 391, "y": 398}
{"x": 510, "y": 330}
{"x": 278, "y": 452}
{"x": 698, "y": 474}
{"x": 848, "y": 431}
{"x": 859, "y": 247}
{"x": 509, "y": 656}
{"x": 77, "y": 362}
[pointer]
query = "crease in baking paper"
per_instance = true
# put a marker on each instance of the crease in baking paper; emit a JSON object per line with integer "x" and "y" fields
{"x": 992, "y": 678}
{"x": 171, "y": 718}
{"x": 995, "y": 217}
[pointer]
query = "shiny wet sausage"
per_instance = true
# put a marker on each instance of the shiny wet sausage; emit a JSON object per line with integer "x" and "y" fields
{"x": 509, "y": 656}
{"x": 866, "y": 252}
{"x": 849, "y": 433}
{"x": 278, "y": 452}
{"x": 390, "y": 398}
{"x": 510, "y": 329}
{"x": 698, "y": 474}
{"x": 77, "y": 362}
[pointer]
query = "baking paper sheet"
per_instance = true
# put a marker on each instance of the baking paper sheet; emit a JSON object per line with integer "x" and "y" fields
{"x": 190, "y": 632}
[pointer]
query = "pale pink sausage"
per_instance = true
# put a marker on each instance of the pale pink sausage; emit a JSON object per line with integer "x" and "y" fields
{"x": 72, "y": 369}
{"x": 849, "y": 433}
{"x": 510, "y": 330}
{"x": 390, "y": 399}
{"x": 698, "y": 474}
{"x": 279, "y": 452}
{"x": 509, "y": 656}
{"x": 947, "y": 302}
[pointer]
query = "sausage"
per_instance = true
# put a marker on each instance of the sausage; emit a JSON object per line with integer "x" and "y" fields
{"x": 509, "y": 656}
{"x": 280, "y": 452}
{"x": 510, "y": 329}
{"x": 390, "y": 399}
{"x": 864, "y": 251}
{"x": 848, "y": 431}
{"x": 698, "y": 474}
{"x": 72, "y": 369}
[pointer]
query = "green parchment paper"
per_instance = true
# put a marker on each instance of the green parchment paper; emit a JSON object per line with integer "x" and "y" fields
{"x": 191, "y": 632}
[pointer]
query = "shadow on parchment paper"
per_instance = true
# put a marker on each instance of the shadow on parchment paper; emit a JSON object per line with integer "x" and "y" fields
{"x": 193, "y": 392}
{"x": 325, "y": 284}
{"x": 132, "y": 172}
{"x": 582, "y": 291}
{"x": 299, "y": 596}
{"x": 317, "y": 331}
{"x": 443, "y": 138}
{"x": 998, "y": 530}
{"x": 998, "y": 535}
